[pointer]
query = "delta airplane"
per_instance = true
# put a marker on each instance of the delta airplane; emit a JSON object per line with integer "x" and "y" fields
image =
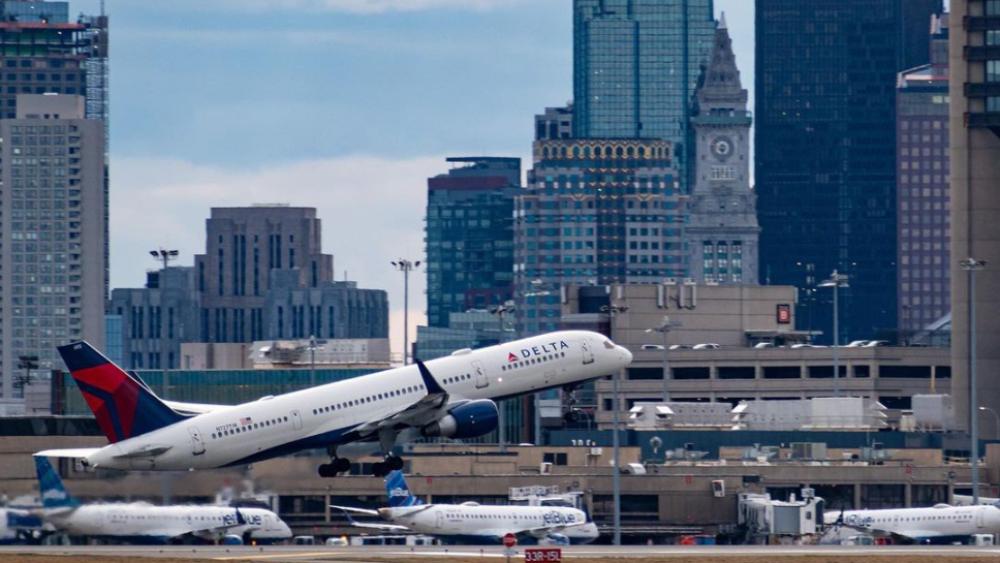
{"x": 472, "y": 523}
{"x": 397, "y": 405}
{"x": 940, "y": 524}
{"x": 144, "y": 523}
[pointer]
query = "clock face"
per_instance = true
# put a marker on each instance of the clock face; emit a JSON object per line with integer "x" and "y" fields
{"x": 722, "y": 147}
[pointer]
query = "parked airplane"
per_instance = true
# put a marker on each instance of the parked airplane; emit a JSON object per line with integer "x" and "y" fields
{"x": 940, "y": 524}
{"x": 19, "y": 526}
{"x": 383, "y": 408}
{"x": 140, "y": 522}
{"x": 472, "y": 523}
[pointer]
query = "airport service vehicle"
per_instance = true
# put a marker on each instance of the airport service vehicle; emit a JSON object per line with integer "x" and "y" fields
{"x": 940, "y": 524}
{"x": 141, "y": 522}
{"x": 473, "y": 523}
{"x": 383, "y": 408}
{"x": 19, "y": 526}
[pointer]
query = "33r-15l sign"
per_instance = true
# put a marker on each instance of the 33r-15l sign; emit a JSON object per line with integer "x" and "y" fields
{"x": 543, "y": 555}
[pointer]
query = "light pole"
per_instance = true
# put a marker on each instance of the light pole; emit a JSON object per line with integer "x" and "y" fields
{"x": 405, "y": 266}
{"x": 614, "y": 309}
{"x": 972, "y": 266}
{"x": 538, "y": 292}
{"x": 164, "y": 256}
{"x": 312, "y": 361}
{"x": 502, "y": 311}
{"x": 664, "y": 329}
{"x": 836, "y": 281}
{"x": 995, "y": 415}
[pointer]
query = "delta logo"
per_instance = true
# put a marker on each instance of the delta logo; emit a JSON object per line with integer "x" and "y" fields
{"x": 538, "y": 351}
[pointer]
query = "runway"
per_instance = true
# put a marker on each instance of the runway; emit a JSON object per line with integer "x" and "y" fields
{"x": 383, "y": 554}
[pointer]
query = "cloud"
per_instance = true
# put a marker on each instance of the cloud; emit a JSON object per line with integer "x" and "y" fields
{"x": 371, "y": 209}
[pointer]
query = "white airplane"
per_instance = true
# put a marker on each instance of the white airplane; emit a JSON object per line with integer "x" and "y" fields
{"x": 940, "y": 524}
{"x": 472, "y": 523}
{"x": 19, "y": 526}
{"x": 384, "y": 408}
{"x": 141, "y": 522}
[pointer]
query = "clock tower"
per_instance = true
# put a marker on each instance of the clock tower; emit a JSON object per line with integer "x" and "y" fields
{"x": 722, "y": 232}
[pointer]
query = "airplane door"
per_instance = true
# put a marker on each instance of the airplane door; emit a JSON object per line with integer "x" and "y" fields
{"x": 197, "y": 444}
{"x": 480, "y": 371}
{"x": 588, "y": 354}
{"x": 439, "y": 519}
{"x": 296, "y": 420}
{"x": 981, "y": 517}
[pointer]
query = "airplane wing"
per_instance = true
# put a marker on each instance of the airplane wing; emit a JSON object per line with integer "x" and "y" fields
{"x": 543, "y": 531}
{"x": 420, "y": 413}
{"x": 373, "y": 526}
{"x": 73, "y": 453}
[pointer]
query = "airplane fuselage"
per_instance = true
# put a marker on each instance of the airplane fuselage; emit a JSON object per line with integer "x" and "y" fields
{"x": 940, "y": 523}
{"x": 329, "y": 415}
{"x": 140, "y": 521}
{"x": 479, "y": 524}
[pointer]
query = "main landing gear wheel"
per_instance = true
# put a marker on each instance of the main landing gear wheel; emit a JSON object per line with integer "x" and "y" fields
{"x": 391, "y": 463}
{"x": 337, "y": 465}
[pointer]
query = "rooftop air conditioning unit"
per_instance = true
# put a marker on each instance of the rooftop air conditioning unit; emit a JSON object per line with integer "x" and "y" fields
{"x": 545, "y": 468}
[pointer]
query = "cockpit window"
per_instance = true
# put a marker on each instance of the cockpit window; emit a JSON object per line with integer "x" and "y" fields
{"x": 609, "y": 345}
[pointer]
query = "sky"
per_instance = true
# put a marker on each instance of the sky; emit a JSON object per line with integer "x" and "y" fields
{"x": 343, "y": 105}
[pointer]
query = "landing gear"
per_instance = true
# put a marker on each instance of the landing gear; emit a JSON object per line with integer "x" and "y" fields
{"x": 571, "y": 413}
{"x": 391, "y": 463}
{"x": 336, "y": 466}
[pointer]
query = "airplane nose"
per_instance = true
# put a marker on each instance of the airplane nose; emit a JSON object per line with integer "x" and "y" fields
{"x": 626, "y": 356}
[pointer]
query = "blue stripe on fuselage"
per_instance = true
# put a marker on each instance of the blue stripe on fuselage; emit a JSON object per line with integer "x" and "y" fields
{"x": 331, "y": 438}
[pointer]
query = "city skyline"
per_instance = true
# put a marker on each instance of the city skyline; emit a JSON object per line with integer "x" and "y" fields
{"x": 178, "y": 150}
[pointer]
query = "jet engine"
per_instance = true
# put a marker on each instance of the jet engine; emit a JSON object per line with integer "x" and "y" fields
{"x": 470, "y": 420}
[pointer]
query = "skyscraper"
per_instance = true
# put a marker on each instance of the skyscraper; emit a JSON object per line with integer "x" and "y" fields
{"x": 922, "y": 188}
{"x": 635, "y": 68}
{"x": 470, "y": 235}
{"x": 595, "y": 212}
{"x": 974, "y": 68}
{"x": 825, "y": 159}
{"x": 722, "y": 232}
{"x": 52, "y": 238}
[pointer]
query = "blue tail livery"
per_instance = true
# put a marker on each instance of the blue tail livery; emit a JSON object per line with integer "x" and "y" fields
{"x": 398, "y": 492}
{"x": 50, "y": 486}
{"x": 123, "y": 407}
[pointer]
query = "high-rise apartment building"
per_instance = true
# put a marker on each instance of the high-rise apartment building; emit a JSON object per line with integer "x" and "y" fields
{"x": 974, "y": 68}
{"x": 722, "y": 232}
{"x": 635, "y": 68}
{"x": 595, "y": 212}
{"x": 52, "y": 235}
{"x": 825, "y": 148}
{"x": 922, "y": 188}
{"x": 470, "y": 235}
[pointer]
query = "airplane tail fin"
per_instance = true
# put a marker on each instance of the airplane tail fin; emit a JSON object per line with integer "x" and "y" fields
{"x": 50, "y": 486}
{"x": 123, "y": 407}
{"x": 397, "y": 491}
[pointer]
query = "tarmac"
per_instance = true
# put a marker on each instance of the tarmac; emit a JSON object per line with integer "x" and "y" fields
{"x": 383, "y": 554}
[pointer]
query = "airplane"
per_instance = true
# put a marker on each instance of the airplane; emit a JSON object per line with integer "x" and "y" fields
{"x": 941, "y": 524}
{"x": 472, "y": 523}
{"x": 140, "y": 522}
{"x": 148, "y": 434}
{"x": 19, "y": 526}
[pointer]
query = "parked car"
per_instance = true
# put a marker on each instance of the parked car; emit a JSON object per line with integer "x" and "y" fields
{"x": 652, "y": 347}
{"x": 877, "y": 343}
{"x": 680, "y": 347}
{"x": 808, "y": 346}
{"x": 763, "y": 345}
{"x": 337, "y": 541}
{"x": 857, "y": 344}
{"x": 707, "y": 346}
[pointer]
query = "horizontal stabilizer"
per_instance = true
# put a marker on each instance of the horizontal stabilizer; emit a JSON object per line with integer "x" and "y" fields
{"x": 72, "y": 453}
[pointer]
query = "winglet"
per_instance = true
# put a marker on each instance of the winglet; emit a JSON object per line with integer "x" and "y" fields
{"x": 433, "y": 387}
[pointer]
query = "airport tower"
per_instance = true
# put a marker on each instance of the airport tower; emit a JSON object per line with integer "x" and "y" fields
{"x": 826, "y": 149}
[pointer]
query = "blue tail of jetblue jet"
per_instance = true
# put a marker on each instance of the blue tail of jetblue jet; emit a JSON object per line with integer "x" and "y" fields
{"x": 398, "y": 492}
{"x": 50, "y": 486}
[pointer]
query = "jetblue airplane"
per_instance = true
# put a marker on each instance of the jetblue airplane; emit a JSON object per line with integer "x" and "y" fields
{"x": 941, "y": 524}
{"x": 397, "y": 405}
{"x": 141, "y": 522}
{"x": 472, "y": 523}
{"x": 19, "y": 526}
